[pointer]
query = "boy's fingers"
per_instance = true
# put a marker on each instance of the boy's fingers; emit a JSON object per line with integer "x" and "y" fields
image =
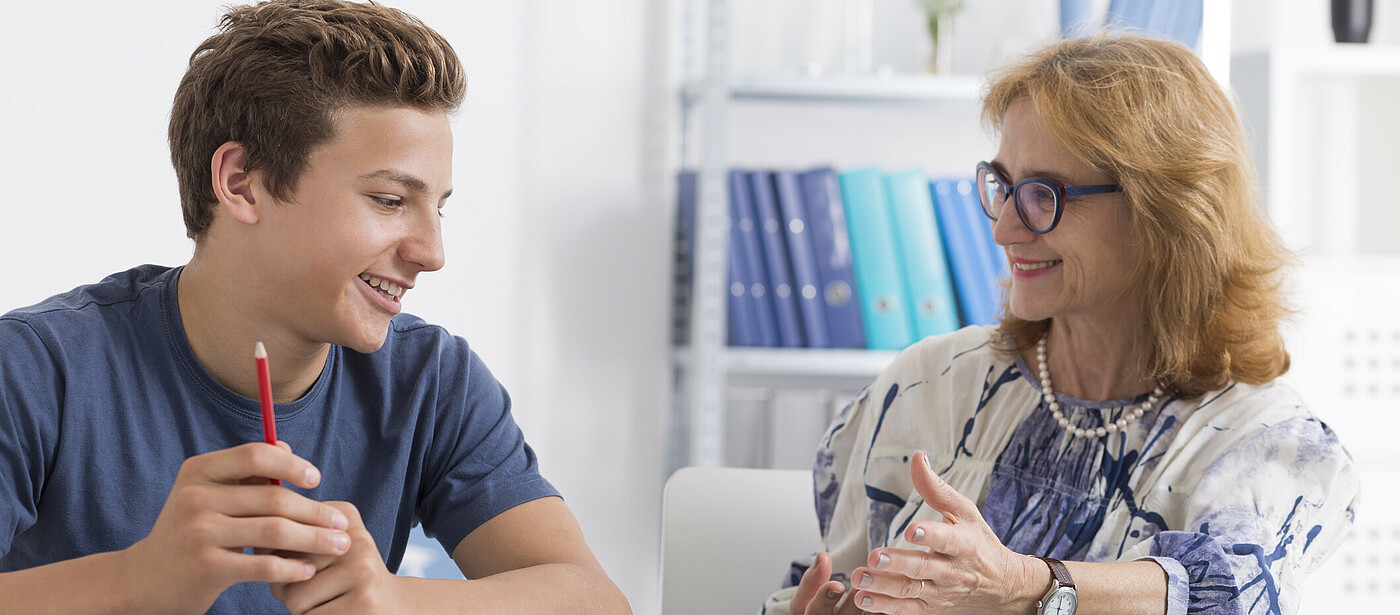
{"x": 266, "y": 500}
{"x": 268, "y": 568}
{"x": 255, "y": 459}
{"x": 349, "y": 511}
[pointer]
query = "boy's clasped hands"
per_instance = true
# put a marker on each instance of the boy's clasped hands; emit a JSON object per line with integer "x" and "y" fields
{"x": 312, "y": 553}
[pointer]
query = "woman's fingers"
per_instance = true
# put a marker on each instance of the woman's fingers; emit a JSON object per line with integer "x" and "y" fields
{"x": 809, "y": 587}
{"x": 824, "y": 603}
{"x": 870, "y": 602}
{"x": 894, "y": 584}
{"x": 942, "y": 538}
{"x": 939, "y": 495}
{"x": 849, "y": 605}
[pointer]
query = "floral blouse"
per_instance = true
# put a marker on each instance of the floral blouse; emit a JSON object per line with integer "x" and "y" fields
{"x": 1237, "y": 493}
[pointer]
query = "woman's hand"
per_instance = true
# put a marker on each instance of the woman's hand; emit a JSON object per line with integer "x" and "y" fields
{"x": 965, "y": 570}
{"x": 817, "y": 594}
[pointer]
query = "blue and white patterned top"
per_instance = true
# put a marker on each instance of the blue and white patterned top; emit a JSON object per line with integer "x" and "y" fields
{"x": 1237, "y": 493}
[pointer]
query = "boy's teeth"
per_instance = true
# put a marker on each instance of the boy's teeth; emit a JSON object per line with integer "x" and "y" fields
{"x": 385, "y": 286}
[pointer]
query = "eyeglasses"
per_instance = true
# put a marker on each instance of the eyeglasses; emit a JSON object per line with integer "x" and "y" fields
{"x": 1039, "y": 200}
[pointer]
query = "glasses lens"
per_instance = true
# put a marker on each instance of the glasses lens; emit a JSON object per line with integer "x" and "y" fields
{"x": 991, "y": 192}
{"x": 1037, "y": 203}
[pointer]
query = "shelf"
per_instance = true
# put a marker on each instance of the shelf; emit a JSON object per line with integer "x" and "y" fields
{"x": 1341, "y": 59}
{"x": 1316, "y": 117}
{"x": 847, "y": 89}
{"x": 813, "y": 363}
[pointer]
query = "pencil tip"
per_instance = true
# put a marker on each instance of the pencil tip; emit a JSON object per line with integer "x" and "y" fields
{"x": 259, "y": 352}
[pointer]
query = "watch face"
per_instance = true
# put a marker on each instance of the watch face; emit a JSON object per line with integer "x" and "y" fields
{"x": 1061, "y": 603}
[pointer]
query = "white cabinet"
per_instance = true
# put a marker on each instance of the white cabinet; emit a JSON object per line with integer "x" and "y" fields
{"x": 1326, "y": 137}
{"x": 1321, "y": 122}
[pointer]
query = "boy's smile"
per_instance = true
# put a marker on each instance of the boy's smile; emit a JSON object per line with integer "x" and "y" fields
{"x": 393, "y": 292}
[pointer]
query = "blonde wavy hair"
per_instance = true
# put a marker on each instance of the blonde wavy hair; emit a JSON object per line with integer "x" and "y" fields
{"x": 1148, "y": 114}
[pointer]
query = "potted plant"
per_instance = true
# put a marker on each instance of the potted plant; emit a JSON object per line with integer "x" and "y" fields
{"x": 939, "y": 14}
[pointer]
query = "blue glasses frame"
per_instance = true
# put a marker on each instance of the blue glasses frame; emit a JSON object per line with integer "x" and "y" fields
{"x": 1059, "y": 191}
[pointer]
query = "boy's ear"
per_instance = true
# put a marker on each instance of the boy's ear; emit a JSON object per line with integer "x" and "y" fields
{"x": 234, "y": 183}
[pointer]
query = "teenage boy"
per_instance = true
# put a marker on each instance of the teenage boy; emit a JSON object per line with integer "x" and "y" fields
{"x": 313, "y": 150}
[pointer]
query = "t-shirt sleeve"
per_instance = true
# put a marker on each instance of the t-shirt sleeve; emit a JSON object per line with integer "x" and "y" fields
{"x": 30, "y": 386}
{"x": 1266, "y": 512}
{"x": 479, "y": 465}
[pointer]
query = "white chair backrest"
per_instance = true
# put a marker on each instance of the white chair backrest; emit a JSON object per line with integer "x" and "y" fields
{"x": 728, "y": 536}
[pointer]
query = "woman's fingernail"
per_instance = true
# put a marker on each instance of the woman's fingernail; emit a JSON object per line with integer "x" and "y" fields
{"x": 865, "y": 580}
{"x": 312, "y": 476}
{"x": 865, "y": 602}
{"x": 883, "y": 561}
{"x": 310, "y": 571}
{"x": 832, "y": 594}
{"x": 918, "y": 534}
{"x": 342, "y": 541}
{"x": 339, "y": 521}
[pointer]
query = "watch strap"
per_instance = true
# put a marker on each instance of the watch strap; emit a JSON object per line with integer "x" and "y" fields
{"x": 1059, "y": 571}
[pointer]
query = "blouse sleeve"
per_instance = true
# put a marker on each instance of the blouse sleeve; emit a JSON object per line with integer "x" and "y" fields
{"x": 829, "y": 474}
{"x": 1265, "y": 512}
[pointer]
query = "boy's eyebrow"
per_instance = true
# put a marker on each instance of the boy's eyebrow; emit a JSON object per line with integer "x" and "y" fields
{"x": 407, "y": 180}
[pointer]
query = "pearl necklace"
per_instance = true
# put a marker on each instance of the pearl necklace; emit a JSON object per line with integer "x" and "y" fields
{"x": 1098, "y": 432}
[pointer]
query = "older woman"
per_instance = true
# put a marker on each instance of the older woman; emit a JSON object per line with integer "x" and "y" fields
{"x": 1123, "y": 417}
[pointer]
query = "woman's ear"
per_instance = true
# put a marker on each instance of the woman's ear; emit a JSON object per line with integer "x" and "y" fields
{"x": 234, "y": 184}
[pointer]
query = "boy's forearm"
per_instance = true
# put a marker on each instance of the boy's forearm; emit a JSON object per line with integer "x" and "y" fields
{"x": 95, "y": 584}
{"x": 547, "y": 588}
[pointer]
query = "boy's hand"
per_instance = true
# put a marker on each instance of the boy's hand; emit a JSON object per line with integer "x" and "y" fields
{"x": 354, "y": 583}
{"x": 219, "y": 505}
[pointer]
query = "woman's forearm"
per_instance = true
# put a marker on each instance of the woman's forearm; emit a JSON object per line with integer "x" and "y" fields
{"x": 1119, "y": 588}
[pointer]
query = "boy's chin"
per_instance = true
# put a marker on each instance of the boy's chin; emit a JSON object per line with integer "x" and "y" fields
{"x": 366, "y": 344}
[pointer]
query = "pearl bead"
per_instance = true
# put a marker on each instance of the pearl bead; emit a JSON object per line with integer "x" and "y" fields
{"x": 1048, "y": 394}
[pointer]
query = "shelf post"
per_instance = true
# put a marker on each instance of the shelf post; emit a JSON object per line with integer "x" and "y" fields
{"x": 704, "y": 380}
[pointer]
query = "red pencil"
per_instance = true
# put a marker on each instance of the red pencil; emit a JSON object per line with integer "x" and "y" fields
{"x": 265, "y": 398}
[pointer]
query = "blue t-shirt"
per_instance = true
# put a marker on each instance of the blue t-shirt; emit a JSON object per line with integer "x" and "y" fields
{"x": 101, "y": 400}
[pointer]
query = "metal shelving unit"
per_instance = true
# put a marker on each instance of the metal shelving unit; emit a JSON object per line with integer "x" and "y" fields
{"x": 845, "y": 88}
{"x": 704, "y": 370}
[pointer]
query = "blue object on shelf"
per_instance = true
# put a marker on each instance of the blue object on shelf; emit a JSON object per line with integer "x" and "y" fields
{"x": 831, "y": 248}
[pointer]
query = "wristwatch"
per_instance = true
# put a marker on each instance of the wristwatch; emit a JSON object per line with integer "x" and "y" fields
{"x": 1062, "y": 599}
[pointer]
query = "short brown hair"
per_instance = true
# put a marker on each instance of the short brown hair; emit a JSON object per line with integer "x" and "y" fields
{"x": 275, "y": 75}
{"x": 1147, "y": 113}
